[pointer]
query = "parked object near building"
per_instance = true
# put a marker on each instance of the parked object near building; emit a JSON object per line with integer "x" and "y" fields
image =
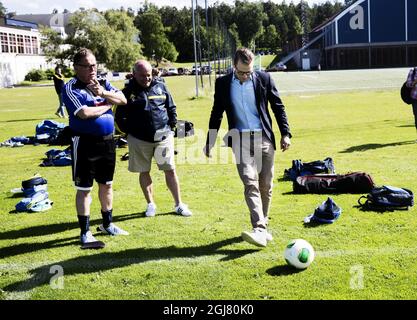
{"x": 172, "y": 72}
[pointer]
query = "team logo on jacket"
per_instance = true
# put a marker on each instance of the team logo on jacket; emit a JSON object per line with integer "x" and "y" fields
{"x": 158, "y": 90}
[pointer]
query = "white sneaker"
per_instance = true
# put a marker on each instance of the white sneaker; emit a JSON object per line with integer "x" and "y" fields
{"x": 151, "y": 210}
{"x": 256, "y": 237}
{"x": 182, "y": 209}
{"x": 112, "y": 230}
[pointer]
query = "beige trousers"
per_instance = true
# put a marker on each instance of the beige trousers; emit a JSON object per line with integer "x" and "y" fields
{"x": 255, "y": 164}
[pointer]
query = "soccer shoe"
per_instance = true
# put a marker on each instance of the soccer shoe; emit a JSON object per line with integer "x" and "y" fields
{"x": 257, "y": 237}
{"x": 269, "y": 236}
{"x": 182, "y": 209}
{"x": 150, "y": 210}
{"x": 112, "y": 230}
{"x": 89, "y": 242}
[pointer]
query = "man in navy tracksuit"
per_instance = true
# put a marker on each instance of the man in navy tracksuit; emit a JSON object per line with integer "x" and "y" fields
{"x": 151, "y": 121}
{"x": 89, "y": 105}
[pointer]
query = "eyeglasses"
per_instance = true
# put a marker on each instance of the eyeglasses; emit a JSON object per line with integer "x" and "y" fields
{"x": 87, "y": 66}
{"x": 243, "y": 73}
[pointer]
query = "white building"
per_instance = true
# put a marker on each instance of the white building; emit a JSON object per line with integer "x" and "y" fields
{"x": 20, "y": 51}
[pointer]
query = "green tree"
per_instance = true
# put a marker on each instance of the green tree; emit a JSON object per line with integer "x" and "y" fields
{"x": 270, "y": 39}
{"x": 111, "y": 36}
{"x": 3, "y": 10}
{"x": 249, "y": 18}
{"x": 152, "y": 36}
{"x": 234, "y": 32}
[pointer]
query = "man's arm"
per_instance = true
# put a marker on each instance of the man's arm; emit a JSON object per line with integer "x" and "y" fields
{"x": 92, "y": 112}
{"x": 171, "y": 109}
{"x": 216, "y": 117}
{"x": 112, "y": 97}
{"x": 278, "y": 108}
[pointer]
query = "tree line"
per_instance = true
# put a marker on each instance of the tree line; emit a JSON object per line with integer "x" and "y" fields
{"x": 120, "y": 36}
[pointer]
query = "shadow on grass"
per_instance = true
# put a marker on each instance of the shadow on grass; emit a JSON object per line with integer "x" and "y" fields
{"x": 24, "y": 248}
{"x": 23, "y": 120}
{"x": 44, "y": 230}
{"x": 379, "y": 210}
{"x": 373, "y": 146}
{"x": 282, "y": 270}
{"x": 103, "y": 261}
{"x": 315, "y": 224}
{"x": 406, "y": 126}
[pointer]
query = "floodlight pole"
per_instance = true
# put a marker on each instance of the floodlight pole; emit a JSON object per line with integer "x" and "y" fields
{"x": 195, "y": 51}
{"x": 208, "y": 41}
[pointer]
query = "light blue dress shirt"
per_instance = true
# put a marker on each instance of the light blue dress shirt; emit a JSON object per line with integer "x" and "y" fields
{"x": 244, "y": 104}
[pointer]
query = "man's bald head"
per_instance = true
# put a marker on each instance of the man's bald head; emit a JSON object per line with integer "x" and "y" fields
{"x": 142, "y": 65}
{"x": 142, "y": 72}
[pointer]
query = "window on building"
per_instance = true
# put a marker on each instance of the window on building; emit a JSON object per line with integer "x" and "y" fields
{"x": 13, "y": 43}
{"x": 20, "y": 46}
{"x": 28, "y": 49}
{"x": 35, "y": 49}
{"x": 4, "y": 42}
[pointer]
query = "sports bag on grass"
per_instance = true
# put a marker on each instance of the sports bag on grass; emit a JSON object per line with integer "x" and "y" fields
{"x": 300, "y": 168}
{"x": 406, "y": 91}
{"x": 355, "y": 182}
{"x": 387, "y": 197}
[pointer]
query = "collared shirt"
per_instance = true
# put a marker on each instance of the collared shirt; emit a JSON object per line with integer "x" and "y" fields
{"x": 76, "y": 96}
{"x": 244, "y": 104}
{"x": 412, "y": 76}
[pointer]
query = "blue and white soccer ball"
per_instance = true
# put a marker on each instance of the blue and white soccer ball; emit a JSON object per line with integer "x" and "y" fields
{"x": 299, "y": 253}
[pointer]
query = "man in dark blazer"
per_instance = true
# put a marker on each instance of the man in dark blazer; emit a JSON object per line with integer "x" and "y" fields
{"x": 244, "y": 96}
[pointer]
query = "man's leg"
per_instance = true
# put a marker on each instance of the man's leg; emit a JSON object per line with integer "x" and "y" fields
{"x": 249, "y": 177}
{"x": 146, "y": 185}
{"x": 266, "y": 175}
{"x": 82, "y": 202}
{"x": 105, "y": 195}
{"x": 173, "y": 185}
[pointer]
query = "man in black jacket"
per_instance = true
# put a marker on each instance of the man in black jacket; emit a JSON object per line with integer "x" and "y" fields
{"x": 244, "y": 96}
{"x": 152, "y": 117}
{"x": 59, "y": 84}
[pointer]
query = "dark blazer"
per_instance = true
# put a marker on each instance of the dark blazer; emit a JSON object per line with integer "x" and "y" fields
{"x": 265, "y": 91}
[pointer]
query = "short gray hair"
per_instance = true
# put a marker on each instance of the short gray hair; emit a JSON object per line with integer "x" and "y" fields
{"x": 141, "y": 64}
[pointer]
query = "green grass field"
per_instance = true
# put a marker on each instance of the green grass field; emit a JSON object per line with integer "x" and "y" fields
{"x": 355, "y": 117}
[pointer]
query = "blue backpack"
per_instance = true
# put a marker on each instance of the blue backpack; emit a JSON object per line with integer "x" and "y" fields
{"x": 387, "y": 198}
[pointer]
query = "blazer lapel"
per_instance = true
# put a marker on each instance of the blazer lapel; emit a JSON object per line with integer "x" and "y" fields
{"x": 257, "y": 87}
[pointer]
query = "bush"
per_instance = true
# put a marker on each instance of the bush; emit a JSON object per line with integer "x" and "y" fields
{"x": 36, "y": 75}
{"x": 49, "y": 74}
{"x": 68, "y": 72}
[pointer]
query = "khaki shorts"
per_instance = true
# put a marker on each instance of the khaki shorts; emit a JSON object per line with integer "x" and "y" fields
{"x": 141, "y": 153}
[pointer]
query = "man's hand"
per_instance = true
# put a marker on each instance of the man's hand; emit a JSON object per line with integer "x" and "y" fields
{"x": 206, "y": 151}
{"x": 285, "y": 143}
{"x": 96, "y": 88}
